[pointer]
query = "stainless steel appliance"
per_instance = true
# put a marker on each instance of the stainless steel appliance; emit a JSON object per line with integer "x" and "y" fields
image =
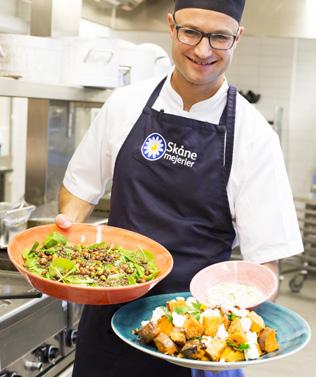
{"x": 13, "y": 219}
{"x": 37, "y": 334}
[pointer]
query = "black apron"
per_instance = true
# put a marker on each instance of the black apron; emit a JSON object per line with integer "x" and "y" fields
{"x": 169, "y": 184}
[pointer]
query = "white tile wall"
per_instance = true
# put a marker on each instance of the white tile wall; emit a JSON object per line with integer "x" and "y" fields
{"x": 282, "y": 70}
{"x": 302, "y": 141}
{"x": 264, "y": 65}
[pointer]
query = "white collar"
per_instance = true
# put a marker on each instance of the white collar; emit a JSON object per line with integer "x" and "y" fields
{"x": 175, "y": 100}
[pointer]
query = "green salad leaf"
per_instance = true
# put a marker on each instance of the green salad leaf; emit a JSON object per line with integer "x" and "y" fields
{"x": 60, "y": 267}
{"x": 240, "y": 347}
{"x": 54, "y": 239}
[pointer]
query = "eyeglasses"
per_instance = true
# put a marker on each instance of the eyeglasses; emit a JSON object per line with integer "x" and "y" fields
{"x": 193, "y": 37}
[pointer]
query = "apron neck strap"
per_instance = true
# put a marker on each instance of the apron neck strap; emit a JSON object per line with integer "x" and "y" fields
{"x": 228, "y": 121}
{"x": 155, "y": 93}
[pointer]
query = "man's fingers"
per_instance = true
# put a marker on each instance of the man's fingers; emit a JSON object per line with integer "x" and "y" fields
{"x": 62, "y": 221}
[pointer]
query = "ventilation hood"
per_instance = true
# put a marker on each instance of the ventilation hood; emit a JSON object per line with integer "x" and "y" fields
{"x": 127, "y": 5}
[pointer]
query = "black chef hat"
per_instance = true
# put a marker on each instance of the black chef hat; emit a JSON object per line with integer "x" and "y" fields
{"x": 232, "y": 8}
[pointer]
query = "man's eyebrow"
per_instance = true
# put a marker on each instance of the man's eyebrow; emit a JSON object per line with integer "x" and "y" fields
{"x": 216, "y": 31}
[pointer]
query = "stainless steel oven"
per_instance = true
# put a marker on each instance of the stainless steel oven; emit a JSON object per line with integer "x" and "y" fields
{"x": 37, "y": 334}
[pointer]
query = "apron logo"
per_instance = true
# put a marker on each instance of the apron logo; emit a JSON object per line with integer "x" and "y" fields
{"x": 154, "y": 147}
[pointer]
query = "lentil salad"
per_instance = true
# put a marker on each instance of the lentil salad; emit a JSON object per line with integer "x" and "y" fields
{"x": 95, "y": 265}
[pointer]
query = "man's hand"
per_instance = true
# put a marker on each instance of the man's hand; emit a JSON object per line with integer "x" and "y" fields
{"x": 274, "y": 267}
{"x": 62, "y": 221}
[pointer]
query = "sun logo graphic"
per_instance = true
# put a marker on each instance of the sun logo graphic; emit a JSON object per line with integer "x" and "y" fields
{"x": 154, "y": 147}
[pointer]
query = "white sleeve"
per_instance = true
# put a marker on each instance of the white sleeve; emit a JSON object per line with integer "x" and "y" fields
{"x": 266, "y": 220}
{"x": 89, "y": 169}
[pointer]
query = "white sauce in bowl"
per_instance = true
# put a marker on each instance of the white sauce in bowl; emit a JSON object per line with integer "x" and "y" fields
{"x": 233, "y": 294}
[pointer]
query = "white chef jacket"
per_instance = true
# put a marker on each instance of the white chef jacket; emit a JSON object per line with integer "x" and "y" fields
{"x": 259, "y": 193}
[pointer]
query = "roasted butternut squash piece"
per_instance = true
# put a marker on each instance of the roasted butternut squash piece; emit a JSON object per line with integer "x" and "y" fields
{"x": 172, "y": 305}
{"x": 178, "y": 336}
{"x": 257, "y": 322}
{"x": 164, "y": 325}
{"x": 211, "y": 325}
{"x": 148, "y": 332}
{"x": 267, "y": 340}
{"x": 214, "y": 349}
{"x": 259, "y": 349}
{"x": 230, "y": 354}
{"x": 226, "y": 321}
{"x": 193, "y": 328}
{"x": 193, "y": 349}
{"x": 236, "y": 334}
{"x": 165, "y": 345}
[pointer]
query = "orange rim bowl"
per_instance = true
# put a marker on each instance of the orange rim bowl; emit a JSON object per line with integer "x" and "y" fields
{"x": 88, "y": 234}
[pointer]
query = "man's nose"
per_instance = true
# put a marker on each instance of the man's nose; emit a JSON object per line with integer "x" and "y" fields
{"x": 203, "y": 49}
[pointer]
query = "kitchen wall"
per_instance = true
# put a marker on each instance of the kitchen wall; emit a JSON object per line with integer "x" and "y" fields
{"x": 14, "y": 16}
{"x": 282, "y": 71}
{"x": 302, "y": 130}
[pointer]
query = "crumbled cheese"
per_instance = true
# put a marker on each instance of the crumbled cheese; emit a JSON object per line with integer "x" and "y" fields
{"x": 207, "y": 340}
{"x": 252, "y": 352}
{"x": 144, "y": 323}
{"x": 251, "y": 337}
{"x": 178, "y": 319}
{"x": 179, "y": 298}
{"x": 221, "y": 332}
{"x": 240, "y": 312}
{"x": 245, "y": 323}
{"x": 190, "y": 301}
{"x": 157, "y": 314}
{"x": 210, "y": 313}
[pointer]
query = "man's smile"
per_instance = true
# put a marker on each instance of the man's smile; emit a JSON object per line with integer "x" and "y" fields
{"x": 199, "y": 62}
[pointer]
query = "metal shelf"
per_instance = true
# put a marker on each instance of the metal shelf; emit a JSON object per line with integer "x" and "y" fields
{"x": 28, "y": 89}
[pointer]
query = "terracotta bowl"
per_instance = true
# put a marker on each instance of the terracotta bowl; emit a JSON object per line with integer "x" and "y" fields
{"x": 240, "y": 272}
{"x": 87, "y": 233}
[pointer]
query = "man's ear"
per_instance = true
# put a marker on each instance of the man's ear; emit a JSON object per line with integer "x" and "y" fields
{"x": 241, "y": 31}
{"x": 170, "y": 20}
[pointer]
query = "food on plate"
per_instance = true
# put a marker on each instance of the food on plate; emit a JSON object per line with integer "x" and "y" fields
{"x": 186, "y": 328}
{"x": 232, "y": 294}
{"x": 95, "y": 265}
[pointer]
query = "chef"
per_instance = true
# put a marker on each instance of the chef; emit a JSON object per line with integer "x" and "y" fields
{"x": 194, "y": 166}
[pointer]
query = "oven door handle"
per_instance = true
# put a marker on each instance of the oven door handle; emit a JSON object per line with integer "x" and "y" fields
{"x": 29, "y": 294}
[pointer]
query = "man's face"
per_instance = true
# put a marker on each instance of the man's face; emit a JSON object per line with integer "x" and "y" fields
{"x": 202, "y": 65}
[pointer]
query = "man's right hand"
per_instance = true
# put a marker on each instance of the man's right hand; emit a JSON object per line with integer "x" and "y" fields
{"x": 62, "y": 221}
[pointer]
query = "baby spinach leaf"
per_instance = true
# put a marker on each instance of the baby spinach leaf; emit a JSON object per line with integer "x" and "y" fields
{"x": 73, "y": 279}
{"x": 61, "y": 266}
{"x": 240, "y": 347}
{"x": 53, "y": 239}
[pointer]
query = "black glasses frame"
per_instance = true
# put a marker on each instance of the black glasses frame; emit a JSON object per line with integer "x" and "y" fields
{"x": 204, "y": 35}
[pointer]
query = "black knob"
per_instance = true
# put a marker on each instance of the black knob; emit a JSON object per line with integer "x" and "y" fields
{"x": 71, "y": 337}
{"x": 47, "y": 353}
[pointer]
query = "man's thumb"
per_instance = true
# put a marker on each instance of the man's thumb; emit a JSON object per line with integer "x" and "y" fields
{"x": 62, "y": 221}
